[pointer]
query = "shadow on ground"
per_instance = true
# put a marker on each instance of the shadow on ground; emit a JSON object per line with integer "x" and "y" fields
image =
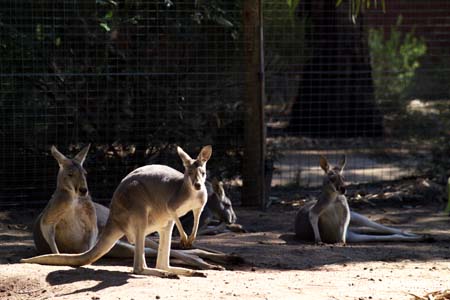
{"x": 269, "y": 244}
{"x": 105, "y": 278}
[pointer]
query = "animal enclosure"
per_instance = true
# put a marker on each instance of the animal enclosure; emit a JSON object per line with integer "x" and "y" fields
{"x": 137, "y": 78}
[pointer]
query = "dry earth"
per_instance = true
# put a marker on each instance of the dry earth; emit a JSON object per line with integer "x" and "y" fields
{"x": 277, "y": 266}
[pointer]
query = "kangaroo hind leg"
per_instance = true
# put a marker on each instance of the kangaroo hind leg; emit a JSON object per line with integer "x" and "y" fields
{"x": 353, "y": 237}
{"x": 360, "y": 220}
{"x": 162, "y": 261}
{"x": 139, "y": 264}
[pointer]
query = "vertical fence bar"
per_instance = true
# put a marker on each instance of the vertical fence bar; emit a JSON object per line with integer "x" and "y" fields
{"x": 253, "y": 193}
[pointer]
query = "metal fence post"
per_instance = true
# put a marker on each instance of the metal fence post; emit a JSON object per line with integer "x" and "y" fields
{"x": 253, "y": 193}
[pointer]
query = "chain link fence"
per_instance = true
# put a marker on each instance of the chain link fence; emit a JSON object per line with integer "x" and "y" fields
{"x": 136, "y": 78}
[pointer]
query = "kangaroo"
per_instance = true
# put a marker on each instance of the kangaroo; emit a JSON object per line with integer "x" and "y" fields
{"x": 60, "y": 227}
{"x": 71, "y": 221}
{"x": 330, "y": 220}
{"x": 149, "y": 199}
{"x": 218, "y": 211}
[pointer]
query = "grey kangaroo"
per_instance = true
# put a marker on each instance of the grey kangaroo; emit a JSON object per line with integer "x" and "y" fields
{"x": 71, "y": 221}
{"x": 149, "y": 199}
{"x": 330, "y": 220}
{"x": 60, "y": 227}
{"x": 218, "y": 212}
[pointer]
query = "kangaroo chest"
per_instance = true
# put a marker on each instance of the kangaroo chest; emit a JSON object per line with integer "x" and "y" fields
{"x": 196, "y": 200}
{"x": 332, "y": 221}
{"x": 77, "y": 229}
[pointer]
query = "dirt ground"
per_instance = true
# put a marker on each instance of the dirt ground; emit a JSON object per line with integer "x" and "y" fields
{"x": 277, "y": 266}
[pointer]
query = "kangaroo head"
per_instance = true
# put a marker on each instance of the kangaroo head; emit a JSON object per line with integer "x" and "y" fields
{"x": 333, "y": 180}
{"x": 220, "y": 204}
{"x": 195, "y": 169}
{"x": 71, "y": 174}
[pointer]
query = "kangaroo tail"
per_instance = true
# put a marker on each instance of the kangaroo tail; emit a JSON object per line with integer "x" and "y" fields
{"x": 111, "y": 233}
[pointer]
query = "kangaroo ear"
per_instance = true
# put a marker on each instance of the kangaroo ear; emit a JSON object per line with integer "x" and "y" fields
{"x": 342, "y": 163}
{"x": 187, "y": 160}
{"x": 324, "y": 164}
{"x": 60, "y": 158}
{"x": 81, "y": 156}
{"x": 205, "y": 154}
{"x": 217, "y": 186}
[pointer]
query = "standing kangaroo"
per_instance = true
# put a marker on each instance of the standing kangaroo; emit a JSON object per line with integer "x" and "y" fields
{"x": 330, "y": 220}
{"x": 149, "y": 199}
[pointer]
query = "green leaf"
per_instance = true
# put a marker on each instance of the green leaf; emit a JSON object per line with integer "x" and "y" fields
{"x": 105, "y": 26}
{"x": 108, "y": 15}
{"x": 39, "y": 33}
{"x": 224, "y": 22}
{"x": 106, "y": 2}
{"x": 292, "y": 4}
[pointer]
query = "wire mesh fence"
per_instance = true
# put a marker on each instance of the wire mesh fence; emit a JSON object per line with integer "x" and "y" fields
{"x": 132, "y": 78}
{"x": 374, "y": 88}
{"x": 136, "y": 78}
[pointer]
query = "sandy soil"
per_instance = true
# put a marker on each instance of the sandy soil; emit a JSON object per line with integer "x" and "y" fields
{"x": 277, "y": 266}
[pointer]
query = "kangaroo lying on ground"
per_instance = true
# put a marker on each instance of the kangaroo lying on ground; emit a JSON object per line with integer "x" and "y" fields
{"x": 330, "y": 220}
{"x": 149, "y": 199}
{"x": 218, "y": 211}
{"x": 61, "y": 226}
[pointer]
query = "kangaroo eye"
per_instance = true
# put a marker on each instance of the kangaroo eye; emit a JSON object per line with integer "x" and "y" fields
{"x": 70, "y": 175}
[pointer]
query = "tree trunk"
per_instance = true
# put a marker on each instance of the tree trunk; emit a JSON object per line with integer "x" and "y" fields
{"x": 336, "y": 95}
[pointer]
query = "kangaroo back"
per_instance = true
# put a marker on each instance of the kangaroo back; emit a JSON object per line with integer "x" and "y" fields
{"x": 302, "y": 227}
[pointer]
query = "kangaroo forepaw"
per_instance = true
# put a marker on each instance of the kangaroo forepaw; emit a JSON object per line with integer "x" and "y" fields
{"x": 218, "y": 268}
{"x": 185, "y": 244}
{"x": 198, "y": 274}
{"x": 172, "y": 276}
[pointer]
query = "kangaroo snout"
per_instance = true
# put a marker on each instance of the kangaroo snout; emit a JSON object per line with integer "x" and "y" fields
{"x": 197, "y": 186}
{"x": 83, "y": 191}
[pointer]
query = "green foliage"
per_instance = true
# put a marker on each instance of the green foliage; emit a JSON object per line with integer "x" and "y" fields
{"x": 355, "y": 7}
{"x": 284, "y": 36}
{"x": 292, "y": 5}
{"x": 122, "y": 75}
{"x": 395, "y": 60}
{"x": 436, "y": 163}
{"x": 284, "y": 47}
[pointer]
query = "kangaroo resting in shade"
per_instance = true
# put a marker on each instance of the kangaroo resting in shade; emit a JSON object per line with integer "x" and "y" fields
{"x": 330, "y": 220}
{"x": 149, "y": 199}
